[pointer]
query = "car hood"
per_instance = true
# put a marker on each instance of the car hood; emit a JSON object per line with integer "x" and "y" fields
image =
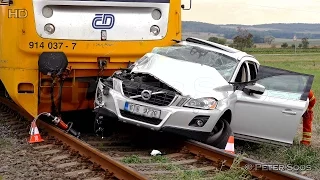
{"x": 190, "y": 79}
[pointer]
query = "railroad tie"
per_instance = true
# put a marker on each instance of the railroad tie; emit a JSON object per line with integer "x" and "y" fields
{"x": 50, "y": 152}
{"x": 189, "y": 161}
{"x": 208, "y": 168}
{"x": 57, "y": 158}
{"x": 78, "y": 172}
{"x": 107, "y": 142}
{"x": 95, "y": 178}
{"x": 69, "y": 164}
{"x": 44, "y": 146}
{"x": 173, "y": 155}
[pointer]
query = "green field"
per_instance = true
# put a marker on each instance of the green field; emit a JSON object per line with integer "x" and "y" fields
{"x": 281, "y": 50}
{"x": 277, "y": 42}
{"x": 297, "y": 154}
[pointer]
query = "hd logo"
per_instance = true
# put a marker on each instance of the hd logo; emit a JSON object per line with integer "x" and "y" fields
{"x": 103, "y": 21}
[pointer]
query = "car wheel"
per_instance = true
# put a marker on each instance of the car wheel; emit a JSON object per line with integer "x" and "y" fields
{"x": 220, "y": 134}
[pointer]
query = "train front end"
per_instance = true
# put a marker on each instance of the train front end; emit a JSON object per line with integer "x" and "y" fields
{"x": 54, "y": 50}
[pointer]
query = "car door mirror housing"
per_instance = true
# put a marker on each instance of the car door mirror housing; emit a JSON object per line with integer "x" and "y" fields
{"x": 254, "y": 89}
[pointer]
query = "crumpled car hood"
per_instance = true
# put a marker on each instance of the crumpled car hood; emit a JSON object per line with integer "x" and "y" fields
{"x": 190, "y": 79}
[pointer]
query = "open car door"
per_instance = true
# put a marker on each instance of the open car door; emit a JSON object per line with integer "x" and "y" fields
{"x": 273, "y": 116}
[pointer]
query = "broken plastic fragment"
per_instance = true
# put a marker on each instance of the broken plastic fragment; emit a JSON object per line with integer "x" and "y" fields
{"x": 155, "y": 152}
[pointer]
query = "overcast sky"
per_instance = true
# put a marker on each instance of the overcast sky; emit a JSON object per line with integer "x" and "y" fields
{"x": 253, "y": 11}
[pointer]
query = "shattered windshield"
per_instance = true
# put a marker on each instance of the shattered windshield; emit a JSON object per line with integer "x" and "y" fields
{"x": 224, "y": 64}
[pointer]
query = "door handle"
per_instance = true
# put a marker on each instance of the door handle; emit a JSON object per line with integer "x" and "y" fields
{"x": 289, "y": 111}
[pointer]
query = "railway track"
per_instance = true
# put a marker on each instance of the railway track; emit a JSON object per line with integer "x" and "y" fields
{"x": 121, "y": 156}
{"x": 61, "y": 159}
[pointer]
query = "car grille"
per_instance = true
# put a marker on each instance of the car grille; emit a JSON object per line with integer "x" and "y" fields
{"x": 154, "y": 121}
{"x": 134, "y": 89}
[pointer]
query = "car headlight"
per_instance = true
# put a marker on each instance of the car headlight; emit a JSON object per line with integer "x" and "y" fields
{"x": 202, "y": 103}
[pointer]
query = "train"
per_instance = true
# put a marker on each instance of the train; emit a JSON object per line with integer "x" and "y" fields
{"x": 53, "y": 51}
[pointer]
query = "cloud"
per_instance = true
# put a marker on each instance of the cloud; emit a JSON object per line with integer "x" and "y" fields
{"x": 252, "y": 11}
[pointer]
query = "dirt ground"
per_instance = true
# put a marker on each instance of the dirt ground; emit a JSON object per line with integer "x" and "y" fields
{"x": 18, "y": 160}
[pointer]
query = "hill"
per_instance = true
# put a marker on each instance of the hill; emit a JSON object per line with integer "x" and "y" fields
{"x": 278, "y": 30}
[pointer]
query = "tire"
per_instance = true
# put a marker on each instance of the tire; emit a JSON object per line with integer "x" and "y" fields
{"x": 220, "y": 139}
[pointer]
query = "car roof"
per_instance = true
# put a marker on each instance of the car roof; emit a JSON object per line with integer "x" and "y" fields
{"x": 235, "y": 53}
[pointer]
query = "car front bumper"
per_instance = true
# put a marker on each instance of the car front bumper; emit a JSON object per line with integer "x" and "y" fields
{"x": 172, "y": 118}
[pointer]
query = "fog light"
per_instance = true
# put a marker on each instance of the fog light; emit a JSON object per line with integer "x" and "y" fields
{"x": 47, "y": 12}
{"x": 156, "y": 14}
{"x": 200, "y": 123}
{"x": 155, "y": 30}
{"x": 49, "y": 28}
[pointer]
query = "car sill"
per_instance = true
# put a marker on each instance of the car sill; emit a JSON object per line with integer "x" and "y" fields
{"x": 260, "y": 140}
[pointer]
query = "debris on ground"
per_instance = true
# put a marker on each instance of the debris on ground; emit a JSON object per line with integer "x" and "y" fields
{"x": 155, "y": 152}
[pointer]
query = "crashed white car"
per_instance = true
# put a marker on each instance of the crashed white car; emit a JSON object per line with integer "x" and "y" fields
{"x": 205, "y": 91}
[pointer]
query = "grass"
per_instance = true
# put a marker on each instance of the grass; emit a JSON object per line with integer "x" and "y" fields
{"x": 301, "y": 155}
{"x": 235, "y": 172}
{"x": 133, "y": 159}
{"x": 190, "y": 174}
{"x": 159, "y": 159}
{"x": 281, "y": 50}
{"x": 181, "y": 173}
{"x": 277, "y": 41}
{"x": 298, "y": 156}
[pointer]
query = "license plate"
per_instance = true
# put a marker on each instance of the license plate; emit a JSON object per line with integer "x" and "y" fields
{"x": 142, "y": 110}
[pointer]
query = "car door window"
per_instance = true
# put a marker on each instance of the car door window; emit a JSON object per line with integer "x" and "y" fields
{"x": 242, "y": 75}
{"x": 252, "y": 70}
{"x": 285, "y": 84}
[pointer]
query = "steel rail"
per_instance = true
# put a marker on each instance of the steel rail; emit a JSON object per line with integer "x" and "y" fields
{"x": 106, "y": 162}
{"x": 215, "y": 154}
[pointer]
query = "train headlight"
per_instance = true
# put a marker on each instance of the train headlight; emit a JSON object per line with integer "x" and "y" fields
{"x": 49, "y": 28}
{"x": 156, "y": 14}
{"x": 155, "y": 30}
{"x": 47, "y": 12}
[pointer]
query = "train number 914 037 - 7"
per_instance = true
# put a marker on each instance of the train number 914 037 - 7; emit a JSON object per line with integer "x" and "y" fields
{"x": 51, "y": 45}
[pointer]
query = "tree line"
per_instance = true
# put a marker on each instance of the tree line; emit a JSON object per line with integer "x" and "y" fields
{"x": 286, "y": 31}
{"x": 245, "y": 39}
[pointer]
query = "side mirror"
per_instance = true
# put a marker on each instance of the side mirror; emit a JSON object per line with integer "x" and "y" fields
{"x": 254, "y": 89}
